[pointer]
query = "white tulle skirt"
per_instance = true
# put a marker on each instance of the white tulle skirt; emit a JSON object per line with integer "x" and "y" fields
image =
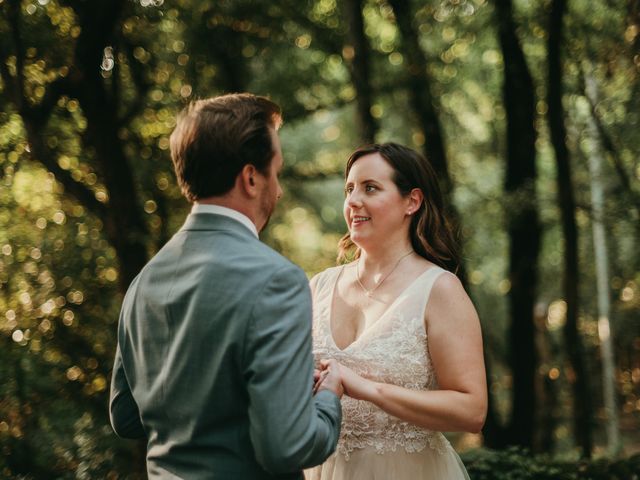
{"x": 367, "y": 464}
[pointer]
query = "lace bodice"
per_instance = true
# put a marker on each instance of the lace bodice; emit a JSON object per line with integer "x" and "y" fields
{"x": 392, "y": 350}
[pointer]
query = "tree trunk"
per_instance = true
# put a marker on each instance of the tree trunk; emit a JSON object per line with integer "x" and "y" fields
{"x": 596, "y": 161}
{"x": 494, "y": 432}
{"x": 423, "y": 104}
{"x": 633, "y": 9}
{"x": 124, "y": 226}
{"x": 120, "y": 214}
{"x": 422, "y": 100}
{"x": 221, "y": 45}
{"x": 523, "y": 225}
{"x": 20, "y": 458}
{"x": 548, "y": 386}
{"x": 359, "y": 66}
{"x": 555, "y": 115}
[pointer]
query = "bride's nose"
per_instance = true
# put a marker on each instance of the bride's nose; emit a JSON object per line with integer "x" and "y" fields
{"x": 354, "y": 200}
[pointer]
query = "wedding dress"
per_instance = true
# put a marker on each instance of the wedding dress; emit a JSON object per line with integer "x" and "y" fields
{"x": 374, "y": 445}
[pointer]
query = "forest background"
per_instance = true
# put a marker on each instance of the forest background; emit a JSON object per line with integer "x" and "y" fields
{"x": 529, "y": 112}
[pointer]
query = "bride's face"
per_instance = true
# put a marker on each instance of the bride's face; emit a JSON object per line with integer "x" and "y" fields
{"x": 374, "y": 209}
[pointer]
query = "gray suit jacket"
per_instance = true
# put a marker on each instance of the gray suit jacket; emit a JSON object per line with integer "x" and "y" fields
{"x": 214, "y": 363}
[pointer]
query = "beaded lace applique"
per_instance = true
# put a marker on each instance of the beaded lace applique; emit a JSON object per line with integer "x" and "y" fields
{"x": 394, "y": 350}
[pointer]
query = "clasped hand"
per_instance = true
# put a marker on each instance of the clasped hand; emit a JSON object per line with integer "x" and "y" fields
{"x": 334, "y": 376}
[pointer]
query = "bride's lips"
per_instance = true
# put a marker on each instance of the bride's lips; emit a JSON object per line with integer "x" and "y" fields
{"x": 358, "y": 220}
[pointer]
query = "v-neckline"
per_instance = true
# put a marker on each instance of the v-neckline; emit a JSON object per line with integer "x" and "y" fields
{"x": 366, "y": 330}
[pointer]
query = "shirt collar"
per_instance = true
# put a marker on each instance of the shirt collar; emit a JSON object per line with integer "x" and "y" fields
{"x": 227, "y": 212}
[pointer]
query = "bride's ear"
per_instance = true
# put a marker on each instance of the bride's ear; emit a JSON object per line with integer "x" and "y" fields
{"x": 416, "y": 198}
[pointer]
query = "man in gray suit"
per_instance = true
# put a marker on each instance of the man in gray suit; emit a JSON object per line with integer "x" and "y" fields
{"x": 214, "y": 365}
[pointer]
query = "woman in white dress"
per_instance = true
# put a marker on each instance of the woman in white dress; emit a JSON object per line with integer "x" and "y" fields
{"x": 401, "y": 326}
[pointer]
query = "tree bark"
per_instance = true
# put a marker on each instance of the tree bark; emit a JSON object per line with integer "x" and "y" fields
{"x": 359, "y": 66}
{"x": 544, "y": 438}
{"x": 221, "y": 44}
{"x": 595, "y": 157}
{"x": 494, "y": 432}
{"x": 420, "y": 93}
{"x": 120, "y": 214}
{"x": 633, "y": 9}
{"x": 546, "y": 384}
{"x": 582, "y": 413}
{"x": 523, "y": 225}
{"x": 423, "y": 104}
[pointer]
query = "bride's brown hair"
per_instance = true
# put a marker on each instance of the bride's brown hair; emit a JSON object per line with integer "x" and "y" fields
{"x": 430, "y": 230}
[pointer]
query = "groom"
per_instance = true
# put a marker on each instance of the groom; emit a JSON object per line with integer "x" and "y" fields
{"x": 214, "y": 364}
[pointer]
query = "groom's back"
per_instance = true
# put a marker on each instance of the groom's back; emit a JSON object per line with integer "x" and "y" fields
{"x": 192, "y": 305}
{"x": 214, "y": 364}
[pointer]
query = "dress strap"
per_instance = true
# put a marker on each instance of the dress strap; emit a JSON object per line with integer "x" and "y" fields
{"x": 326, "y": 279}
{"x": 426, "y": 285}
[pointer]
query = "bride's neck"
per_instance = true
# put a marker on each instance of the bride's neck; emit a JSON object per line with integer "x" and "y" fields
{"x": 383, "y": 258}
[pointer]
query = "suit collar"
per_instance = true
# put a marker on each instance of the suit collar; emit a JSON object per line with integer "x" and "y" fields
{"x": 213, "y": 221}
{"x": 227, "y": 212}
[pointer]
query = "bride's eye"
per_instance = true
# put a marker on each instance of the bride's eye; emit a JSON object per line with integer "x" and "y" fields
{"x": 371, "y": 188}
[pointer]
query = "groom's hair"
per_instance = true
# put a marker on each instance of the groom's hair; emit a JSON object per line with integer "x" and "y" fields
{"x": 216, "y": 137}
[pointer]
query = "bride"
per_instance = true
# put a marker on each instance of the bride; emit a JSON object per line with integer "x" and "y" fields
{"x": 401, "y": 326}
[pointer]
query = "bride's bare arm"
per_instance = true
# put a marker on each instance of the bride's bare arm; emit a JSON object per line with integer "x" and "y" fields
{"x": 455, "y": 345}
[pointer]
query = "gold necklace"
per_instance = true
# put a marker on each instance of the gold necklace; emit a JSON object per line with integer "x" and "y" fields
{"x": 369, "y": 293}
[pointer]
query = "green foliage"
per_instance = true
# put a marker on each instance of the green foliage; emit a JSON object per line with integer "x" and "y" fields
{"x": 517, "y": 464}
{"x": 59, "y": 266}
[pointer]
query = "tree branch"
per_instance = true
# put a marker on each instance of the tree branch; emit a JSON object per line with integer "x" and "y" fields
{"x": 610, "y": 148}
{"x": 14, "y": 21}
{"x": 41, "y": 112}
{"x": 141, "y": 83}
{"x": 295, "y": 175}
{"x": 35, "y": 118}
{"x": 324, "y": 36}
{"x": 44, "y": 155}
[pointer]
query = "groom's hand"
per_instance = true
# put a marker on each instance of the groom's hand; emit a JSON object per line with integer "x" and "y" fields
{"x": 329, "y": 378}
{"x": 318, "y": 377}
{"x": 317, "y": 380}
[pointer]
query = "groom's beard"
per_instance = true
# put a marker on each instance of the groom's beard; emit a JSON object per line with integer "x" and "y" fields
{"x": 267, "y": 208}
{"x": 266, "y": 222}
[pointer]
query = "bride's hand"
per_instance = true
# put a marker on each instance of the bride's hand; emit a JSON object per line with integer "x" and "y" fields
{"x": 328, "y": 377}
{"x": 356, "y": 386}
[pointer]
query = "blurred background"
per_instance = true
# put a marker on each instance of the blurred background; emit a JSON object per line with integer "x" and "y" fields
{"x": 529, "y": 112}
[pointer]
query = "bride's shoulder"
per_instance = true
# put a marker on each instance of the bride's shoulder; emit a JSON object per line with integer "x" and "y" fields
{"x": 447, "y": 283}
{"x": 448, "y": 298}
{"x": 324, "y": 277}
{"x": 326, "y": 274}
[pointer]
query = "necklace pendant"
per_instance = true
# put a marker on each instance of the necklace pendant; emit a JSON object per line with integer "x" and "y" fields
{"x": 369, "y": 293}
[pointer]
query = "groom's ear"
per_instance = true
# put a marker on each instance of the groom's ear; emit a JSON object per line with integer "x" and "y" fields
{"x": 247, "y": 180}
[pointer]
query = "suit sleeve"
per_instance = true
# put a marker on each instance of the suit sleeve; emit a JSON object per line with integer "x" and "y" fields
{"x": 290, "y": 428}
{"x": 123, "y": 410}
